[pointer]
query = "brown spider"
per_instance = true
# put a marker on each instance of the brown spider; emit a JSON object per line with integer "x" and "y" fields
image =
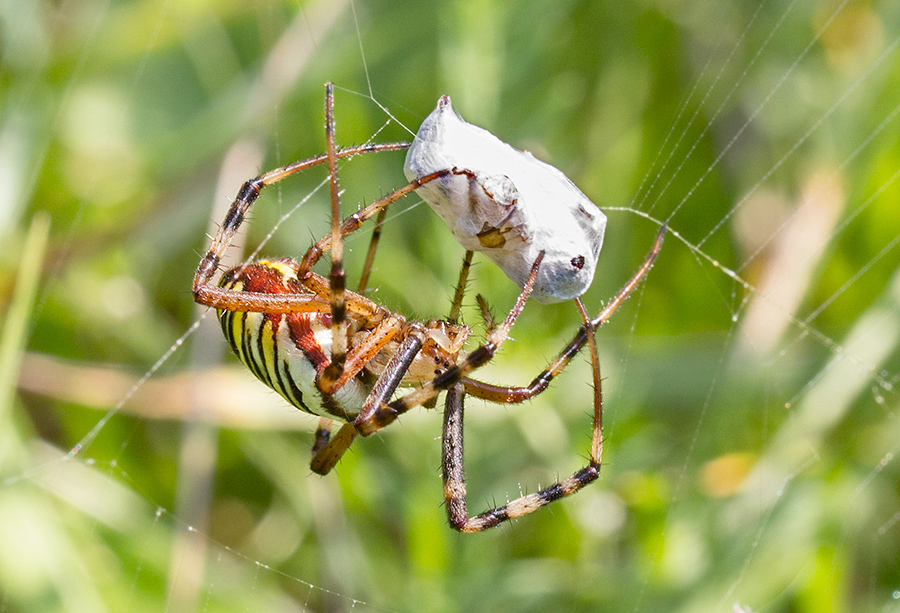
{"x": 334, "y": 353}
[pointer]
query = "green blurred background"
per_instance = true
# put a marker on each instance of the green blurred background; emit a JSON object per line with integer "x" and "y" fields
{"x": 752, "y": 432}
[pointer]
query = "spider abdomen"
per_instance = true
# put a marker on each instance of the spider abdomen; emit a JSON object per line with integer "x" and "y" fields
{"x": 287, "y": 351}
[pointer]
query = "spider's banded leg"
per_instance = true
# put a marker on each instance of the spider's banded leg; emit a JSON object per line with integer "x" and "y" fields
{"x": 337, "y": 279}
{"x": 232, "y": 300}
{"x": 455, "y": 486}
{"x": 513, "y": 395}
{"x": 453, "y": 466}
{"x": 256, "y": 302}
{"x": 397, "y": 367}
{"x": 453, "y": 470}
{"x": 328, "y": 455}
{"x": 384, "y": 414}
{"x": 245, "y": 198}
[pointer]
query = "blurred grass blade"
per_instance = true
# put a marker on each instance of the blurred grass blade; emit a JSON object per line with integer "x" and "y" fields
{"x": 15, "y": 327}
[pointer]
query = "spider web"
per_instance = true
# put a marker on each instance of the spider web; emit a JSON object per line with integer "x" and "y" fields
{"x": 749, "y": 386}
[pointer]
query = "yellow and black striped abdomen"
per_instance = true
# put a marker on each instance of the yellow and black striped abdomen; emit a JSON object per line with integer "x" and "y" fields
{"x": 287, "y": 352}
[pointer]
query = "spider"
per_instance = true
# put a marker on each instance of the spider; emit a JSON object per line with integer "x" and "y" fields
{"x": 334, "y": 353}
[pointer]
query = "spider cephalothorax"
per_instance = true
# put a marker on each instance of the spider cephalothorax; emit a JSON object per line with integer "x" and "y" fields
{"x": 336, "y": 354}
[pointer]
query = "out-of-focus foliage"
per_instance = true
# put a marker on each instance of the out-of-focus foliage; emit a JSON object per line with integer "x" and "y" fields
{"x": 751, "y": 434}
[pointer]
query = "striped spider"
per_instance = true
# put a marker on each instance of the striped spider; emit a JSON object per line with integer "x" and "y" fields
{"x": 334, "y": 353}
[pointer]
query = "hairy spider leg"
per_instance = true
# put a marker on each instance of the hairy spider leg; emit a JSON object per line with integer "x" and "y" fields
{"x": 453, "y": 464}
{"x": 323, "y": 431}
{"x": 337, "y": 278}
{"x": 208, "y": 294}
{"x": 456, "y": 305}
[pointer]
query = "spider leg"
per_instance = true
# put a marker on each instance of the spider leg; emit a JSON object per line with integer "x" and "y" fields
{"x": 220, "y": 298}
{"x": 486, "y": 316}
{"x": 245, "y": 198}
{"x": 323, "y": 433}
{"x": 254, "y": 302}
{"x": 514, "y": 395}
{"x": 597, "y": 381}
{"x": 326, "y": 456}
{"x": 205, "y": 292}
{"x": 334, "y": 373}
{"x": 456, "y": 306}
{"x": 337, "y": 279}
{"x": 453, "y": 465}
{"x": 258, "y": 302}
{"x": 359, "y": 356}
{"x": 389, "y": 412}
{"x": 370, "y": 255}
{"x": 385, "y": 414}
